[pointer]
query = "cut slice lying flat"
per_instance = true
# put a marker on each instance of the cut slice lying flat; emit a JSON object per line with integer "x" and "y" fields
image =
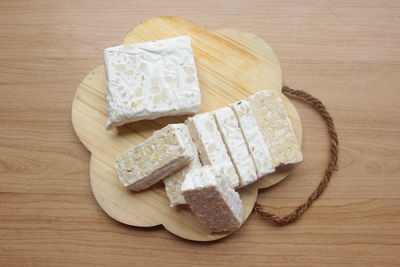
{"x": 165, "y": 152}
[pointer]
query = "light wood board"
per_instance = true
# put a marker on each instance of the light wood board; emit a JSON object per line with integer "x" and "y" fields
{"x": 231, "y": 65}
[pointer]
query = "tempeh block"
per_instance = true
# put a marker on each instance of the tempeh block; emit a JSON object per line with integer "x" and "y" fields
{"x": 151, "y": 80}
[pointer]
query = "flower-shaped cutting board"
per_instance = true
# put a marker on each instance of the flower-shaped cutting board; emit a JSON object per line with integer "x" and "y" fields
{"x": 231, "y": 65}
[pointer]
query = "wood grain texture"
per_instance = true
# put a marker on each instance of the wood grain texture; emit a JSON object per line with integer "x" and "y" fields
{"x": 346, "y": 53}
{"x": 255, "y": 68}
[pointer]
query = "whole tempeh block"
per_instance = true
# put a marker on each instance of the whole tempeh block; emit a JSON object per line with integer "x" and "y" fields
{"x": 174, "y": 182}
{"x": 165, "y": 152}
{"x": 276, "y": 127}
{"x": 210, "y": 196}
{"x": 151, "y": 80}
{"x": 255, "y": 141}
{"x": 233, "y": 138}
{"x": 210, "y": 145}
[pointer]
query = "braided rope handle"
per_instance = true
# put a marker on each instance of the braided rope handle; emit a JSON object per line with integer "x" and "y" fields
{"x": 332, "y": 165}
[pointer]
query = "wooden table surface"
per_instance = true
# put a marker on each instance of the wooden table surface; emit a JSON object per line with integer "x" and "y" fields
{"x": 347, "y": 53}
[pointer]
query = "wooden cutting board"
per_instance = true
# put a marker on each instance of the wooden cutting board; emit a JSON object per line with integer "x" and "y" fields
{"x": 231, "y": 65}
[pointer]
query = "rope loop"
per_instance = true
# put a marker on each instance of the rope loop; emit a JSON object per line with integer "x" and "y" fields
{"x": 330, "y": 169}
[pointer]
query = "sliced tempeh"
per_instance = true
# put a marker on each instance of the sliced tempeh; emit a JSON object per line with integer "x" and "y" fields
{"x": 209, "y": 142}
{"x": 254, "y": 139}
{"x": 174, "y": 182}
{"x": 276, "y": 127}
{"x": 216, "y": 204}
{"x": 165, "y": 152}
{"x": 235, "y": 143}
